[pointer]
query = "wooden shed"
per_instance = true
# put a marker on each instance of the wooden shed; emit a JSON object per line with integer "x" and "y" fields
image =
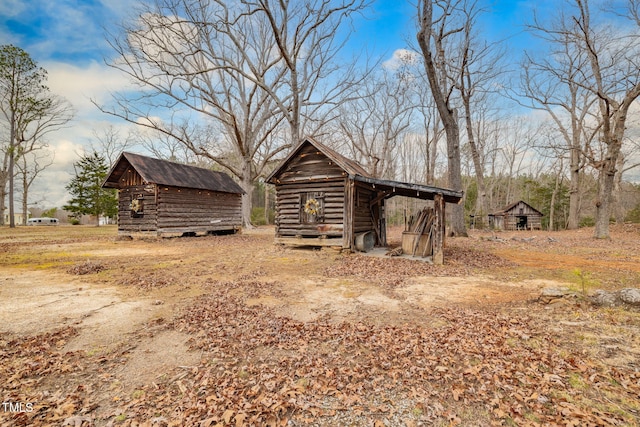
{"x": 516, "y": 216}
{"x": 164, "y": 198}
{"x": 325, "y": 199}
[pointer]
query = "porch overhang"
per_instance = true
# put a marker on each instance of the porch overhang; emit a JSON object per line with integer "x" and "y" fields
{"x": 408, "y": 189}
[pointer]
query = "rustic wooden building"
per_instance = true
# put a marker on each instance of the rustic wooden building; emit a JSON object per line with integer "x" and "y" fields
{"x": 325, "y": 199}
{"x": 516, "y": 216}
{"x": 170, "y": 199}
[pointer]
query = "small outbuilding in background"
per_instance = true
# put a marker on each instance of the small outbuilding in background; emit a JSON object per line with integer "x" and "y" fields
{"x": 516, "y": 216}
{"x": 164, "y": 198}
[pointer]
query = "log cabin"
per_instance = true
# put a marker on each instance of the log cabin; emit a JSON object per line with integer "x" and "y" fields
{"x": 516, "y": 216}
{"x": 326, "y": 199}
{"x": 163, "y": 198}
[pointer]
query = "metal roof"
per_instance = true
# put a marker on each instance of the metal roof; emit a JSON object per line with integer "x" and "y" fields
{"x": 506, "y": 209}
{"x": 164, "y": 172}
{"x": 408, "y": 189}
{"x": 358, "y": 173}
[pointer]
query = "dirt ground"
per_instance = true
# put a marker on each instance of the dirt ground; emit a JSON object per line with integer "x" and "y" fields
{"x": 234, "y": 330}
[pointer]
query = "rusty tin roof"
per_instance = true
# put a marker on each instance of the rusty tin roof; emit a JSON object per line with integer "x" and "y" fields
{"x": 164, "y": 172}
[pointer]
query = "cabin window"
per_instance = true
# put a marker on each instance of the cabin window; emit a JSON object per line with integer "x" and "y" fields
{"x": 137, "y": 205}
{"x": 311, "y": 207}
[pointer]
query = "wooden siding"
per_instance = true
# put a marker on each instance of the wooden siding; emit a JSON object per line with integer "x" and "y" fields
{"x": 311, "y": 164}
{"x": 147, "y": 220}
{"x": 291, "y": 219}
{"x": 130, "y": 178}
{"x": 174, "y": 211}
{"x": 184, "y": 210}
{"x": 517, "y": 217}
{"x": 362, "y": 219}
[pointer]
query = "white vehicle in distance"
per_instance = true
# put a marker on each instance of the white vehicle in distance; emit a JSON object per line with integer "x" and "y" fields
{"x": 42, "y": 221}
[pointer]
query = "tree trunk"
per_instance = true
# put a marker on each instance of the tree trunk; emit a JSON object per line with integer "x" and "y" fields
{"x": 266, "y": 203}
{"x": 11, "y": 149}
{"x": 574, "y": 189}
{"x": 25, "y": 194}
{"x": 554, "y": 195}
{"x": 482, "y": 209}
{"x": 603, "y": 200}
{"x": 3, "y": 196}
{"x": 447, "y": 114}
{"x": 247, "y": 185}
{"x": 458, "y": 227}
{"x": 618, "y": 209}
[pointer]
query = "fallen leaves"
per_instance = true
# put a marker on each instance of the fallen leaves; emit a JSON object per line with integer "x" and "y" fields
{"x": 391, "y": 272}
{"x": 265, "y": 369}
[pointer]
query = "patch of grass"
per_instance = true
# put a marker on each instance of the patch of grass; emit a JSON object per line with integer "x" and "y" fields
{"x": 416, "y": 412}
{"x": 576, "y": 381}
{"x": 137, "y": 394}
{"x": 585, "y": 281}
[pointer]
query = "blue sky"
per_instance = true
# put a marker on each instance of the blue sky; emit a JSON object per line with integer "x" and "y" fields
{"x": 67, "y": 38}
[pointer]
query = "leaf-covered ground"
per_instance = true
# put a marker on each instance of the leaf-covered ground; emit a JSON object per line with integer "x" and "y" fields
{"x": 472, "y": 364}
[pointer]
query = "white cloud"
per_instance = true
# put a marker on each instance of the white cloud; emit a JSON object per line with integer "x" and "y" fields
{"x": 12, "y": 7}
{"x": 80, "y": 84}
{"x": 399, "y": 58}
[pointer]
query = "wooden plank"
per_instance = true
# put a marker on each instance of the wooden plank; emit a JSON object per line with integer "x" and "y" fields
{"x": 308, "y": 241}
{"x": 349, "y": 201}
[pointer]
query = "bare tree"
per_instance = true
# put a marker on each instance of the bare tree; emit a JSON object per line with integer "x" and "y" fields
{"x": 438, "y": 37}
{"x": 555, "y": 83}
{"x": 225, "y": 76}
{"x": 308, "y": 36}
{"x": 193, "y": 59}
{"x": 480, "y": 68}
{"x": 29, "y": 111}
{"x": 374, "y": 120}
{"x": 109, "y": 143}
{"x": 614, "y": 77}
{"x": 29, "y": 165}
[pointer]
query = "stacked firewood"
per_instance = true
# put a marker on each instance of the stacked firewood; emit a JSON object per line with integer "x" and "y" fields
{"x": 422, "y": 224}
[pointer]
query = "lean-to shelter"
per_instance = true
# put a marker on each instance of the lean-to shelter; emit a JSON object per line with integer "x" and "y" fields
{"x": 326, "y": 199}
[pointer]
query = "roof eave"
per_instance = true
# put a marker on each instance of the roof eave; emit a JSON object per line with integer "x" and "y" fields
{"x": 421, "y": 191}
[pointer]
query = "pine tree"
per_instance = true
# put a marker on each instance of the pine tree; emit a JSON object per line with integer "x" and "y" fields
{"x": 88, "y": 196}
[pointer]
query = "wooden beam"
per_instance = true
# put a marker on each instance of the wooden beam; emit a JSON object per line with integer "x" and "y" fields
{"x": 438, "y": 229}
{"x": 308, "y": 241}
{"x": 349, "y": 205}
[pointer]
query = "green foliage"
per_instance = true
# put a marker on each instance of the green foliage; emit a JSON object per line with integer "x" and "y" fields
{"x": 585, "y": 280}
{"x": 50, "y": 213}
{"x": 540, "y": 192}
{"x": 22, "y": 86}
{"x": 88, "y": 196}
{"x": 633, "y": 215}
{"x": 258, "y": 218}
{"x": 587, "y": 221}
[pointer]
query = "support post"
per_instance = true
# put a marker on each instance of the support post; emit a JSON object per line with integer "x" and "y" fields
{"x": 438, "y": 229}
{"x": 349, "y": 202}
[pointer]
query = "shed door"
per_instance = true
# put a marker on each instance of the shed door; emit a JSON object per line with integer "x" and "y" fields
{"x": 521, "y": 222}
{"x": 311, "y": 207}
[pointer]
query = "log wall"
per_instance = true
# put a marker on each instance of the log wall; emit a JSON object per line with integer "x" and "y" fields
{"x": 186, "y": 210}
{"x": 174, "y": 211}
{"x": 362, "y": 214}
{"x": 145, "y": 221}
{"x": 291, "y": 219}
{"x": 310, "y": 165}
